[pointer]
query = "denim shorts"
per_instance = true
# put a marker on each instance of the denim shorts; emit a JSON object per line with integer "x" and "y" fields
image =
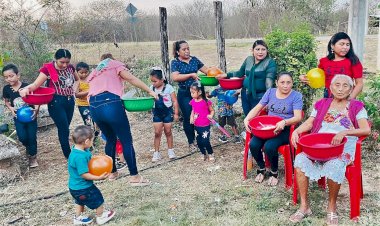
{"x": 90, "y": 197}
{"x": 163, "y": 116}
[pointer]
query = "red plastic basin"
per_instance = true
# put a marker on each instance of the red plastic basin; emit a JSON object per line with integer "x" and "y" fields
{"x": 317, "y": 146}
{"x": 231, "y": 83}
{"x": 42, "y": 95}
{"x": 263, "y": 126}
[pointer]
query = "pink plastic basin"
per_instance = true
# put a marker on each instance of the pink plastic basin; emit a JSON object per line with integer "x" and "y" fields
{"x": 317, "y": 146}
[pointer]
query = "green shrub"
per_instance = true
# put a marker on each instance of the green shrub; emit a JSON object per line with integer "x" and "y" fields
{"x": 294, "y": 52}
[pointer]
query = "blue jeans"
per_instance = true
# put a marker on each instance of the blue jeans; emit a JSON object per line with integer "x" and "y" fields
{"x": 27, "y": 135}
{"x": 203, "y": 139}
{"x": 108, "y": 113}
{"x": 90, "y": 197}
{"x": 184, "y": 98}
{"x": 248, "y": 102}
{"x": 86, "y": 116}
{"x": 61, "y": 110}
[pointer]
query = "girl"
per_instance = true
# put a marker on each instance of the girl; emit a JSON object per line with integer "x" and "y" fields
{"x": 26, "y": 132}
{"x": 60, "y": 75}
{"x": 201, "y": 115}
{"x": 163, "y": 112}
{"x": 340, "y": 59}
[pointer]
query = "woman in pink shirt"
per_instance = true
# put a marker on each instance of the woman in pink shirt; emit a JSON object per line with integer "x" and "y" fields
{"x": 106, "y": 87}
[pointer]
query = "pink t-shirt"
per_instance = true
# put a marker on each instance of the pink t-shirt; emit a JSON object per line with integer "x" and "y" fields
{"x": 105, "y": 78}
{"x": 201, "y": 110}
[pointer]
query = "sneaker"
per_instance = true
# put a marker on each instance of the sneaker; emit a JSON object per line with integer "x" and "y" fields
{"x": 106, "y": 216}
{"x": 243, "y": 135}
{"x": 171, "y": 154}
{"x": 237, "y": 139}
{"x": 82, "y": 220}
{"x": 120, "y": 165}
{"x": 223, "y": 139}
{"x": 193, "y": 148}
{"x": 156, "y": 156}
{"x": 33, "y": 161}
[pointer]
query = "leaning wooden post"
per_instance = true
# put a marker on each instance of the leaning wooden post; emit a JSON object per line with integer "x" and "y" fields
{"x": 164, "y": 43}
{"x": 219, "y": 35}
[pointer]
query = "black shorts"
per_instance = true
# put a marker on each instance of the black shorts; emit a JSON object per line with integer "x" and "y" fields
{"x": 90, "y": 197}
{"x": 227, "y": 120}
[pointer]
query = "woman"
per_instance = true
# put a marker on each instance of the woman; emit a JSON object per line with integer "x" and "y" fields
{"x": 184, "y": 68}
{"x": 60, "y": 75}
{"x": 341, "y": 115}
{"x": 340, "y": 59}
{"x": 107, "y": 111}
{"x": 286, "y": 103}
{"x": 260, "y": 71}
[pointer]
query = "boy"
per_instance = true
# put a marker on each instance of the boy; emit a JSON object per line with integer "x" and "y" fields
{"x": 81, "y": 183}
{"x": 225, "y": 114}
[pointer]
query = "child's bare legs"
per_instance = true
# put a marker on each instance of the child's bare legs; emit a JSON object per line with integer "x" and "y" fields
{"x": 168, "y": 134}
{"x": 157, "y": 135}
{"x": 78, "y": 210}
{"x": 99, "y": 211}
{"x": 235, "y": 131}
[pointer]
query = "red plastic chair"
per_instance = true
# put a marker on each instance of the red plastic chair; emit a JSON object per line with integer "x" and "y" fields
{"x": 287, "y": 151}
{"x": 354, "y": 178}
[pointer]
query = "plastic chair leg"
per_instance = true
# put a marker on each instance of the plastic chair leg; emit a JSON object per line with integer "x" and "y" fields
{"x": 295, "y": 188}
{"x": 355, "y": 189}
{"x": 322, "y": 183}
{"x": 288, "y": 166}
{"x": 245, "y": 158}
{"x": 266, "y": 160}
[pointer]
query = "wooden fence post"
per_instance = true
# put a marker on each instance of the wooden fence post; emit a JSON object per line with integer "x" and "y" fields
{"x": 219, "y": 35}
{"x": 164, "y": 43}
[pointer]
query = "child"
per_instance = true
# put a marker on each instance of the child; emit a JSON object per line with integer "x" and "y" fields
{"x": 200, "y": 116}
{"x": 163, "y": 112}
{"x": 81, "y": 184}
{"x": 26, "y": 131}
{"x": 81, "y": 93}
{"x": 225, "y": 114}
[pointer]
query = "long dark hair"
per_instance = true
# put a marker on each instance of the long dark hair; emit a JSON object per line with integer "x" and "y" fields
{"x": 350, "y": 54}
{"x": 199, "y": 87}
{"x": 177, "y": 46}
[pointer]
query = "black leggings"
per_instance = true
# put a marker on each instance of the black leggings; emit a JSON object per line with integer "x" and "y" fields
{"x": 270, "y": 148}
{"x": 203, "y": 139}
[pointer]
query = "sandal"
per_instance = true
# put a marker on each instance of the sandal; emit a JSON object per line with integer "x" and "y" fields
{"x": 332, "y": 219}
{"x": 299, "y": 215}
{"x": 113, "y": 176}
{"x": 260, "y": 175}
{"x": 142, "y": 182}
{"x": 273, "y": 181}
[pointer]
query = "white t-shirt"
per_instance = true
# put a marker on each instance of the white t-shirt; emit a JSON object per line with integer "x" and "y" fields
{"x": 166, "y": 95}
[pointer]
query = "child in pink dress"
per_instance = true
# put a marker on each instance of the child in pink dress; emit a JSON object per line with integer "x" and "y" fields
{"x": 200, "y": 116}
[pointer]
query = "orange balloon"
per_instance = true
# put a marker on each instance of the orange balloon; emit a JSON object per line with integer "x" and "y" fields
{"x": 100, "y": 164}
{"x": 316, "y": 78}
{"x": 214, "y": 71}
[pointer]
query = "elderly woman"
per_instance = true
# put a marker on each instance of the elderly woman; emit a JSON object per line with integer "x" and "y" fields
{"x": 286, "y": 103}
{"x": 343, "y": 116}
{"x": 260, "y": 71}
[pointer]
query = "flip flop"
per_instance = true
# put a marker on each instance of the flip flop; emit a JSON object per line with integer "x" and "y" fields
{"x": 332, "y": 219}
{"x": 299, "y": 215}
{"x": 141, "y": 183}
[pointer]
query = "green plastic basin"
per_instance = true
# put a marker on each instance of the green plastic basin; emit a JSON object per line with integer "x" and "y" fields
{"x": 137, "y": 104}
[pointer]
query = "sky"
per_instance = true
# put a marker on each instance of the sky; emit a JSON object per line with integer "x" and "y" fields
{"x": 149, "y": 6}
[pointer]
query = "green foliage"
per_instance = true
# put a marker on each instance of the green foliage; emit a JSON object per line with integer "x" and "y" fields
{"x": 294, "y": 52}
{"x": 371, "y": 99}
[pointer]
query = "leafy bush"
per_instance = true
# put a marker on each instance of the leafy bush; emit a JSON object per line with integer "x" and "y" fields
{"x": 294, "y": 52}
{"x": 371, "y": 99}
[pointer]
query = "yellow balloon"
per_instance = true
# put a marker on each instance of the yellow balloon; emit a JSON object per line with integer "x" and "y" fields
{"x": 316, "y": 78}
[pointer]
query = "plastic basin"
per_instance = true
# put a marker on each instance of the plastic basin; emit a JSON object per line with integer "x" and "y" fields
{"x": 263, "y": 126}
{"x": 226, "y": 83}
{"x": 136, "y": 104}
{"x": 208, "y": 80}
{"x": 317, "y": 146}
{"x": 42, "y": 95}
